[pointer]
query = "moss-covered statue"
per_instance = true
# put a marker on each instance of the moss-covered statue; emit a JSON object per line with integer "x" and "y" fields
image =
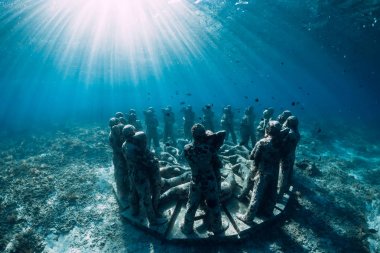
{"x": 151, "y": 128}
{"x": 208, "y": 117}
{"x": 205, "y": 181}
{"x": 288, "y": 154}
{"x": 144, "y": 177}
{"x": 132, "y": 120}
{"x": 266, "y": 159}
{"x": 188, "y": 121}
{"x": 116, "y": 140}
{"x": 169, "y": 120}
{"x": 227, "y": 123}
{"x": 284, "y": 116}
{"x": 267, "y": 116}
{"x": 247, "y": 128}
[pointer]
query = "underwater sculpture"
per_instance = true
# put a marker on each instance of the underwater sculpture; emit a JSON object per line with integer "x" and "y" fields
{"x": 169, "y": 120}
{"x": 267, "y": 116}
{"x": 284, "y": 116}
{"x": 121, "y": 118}
{"x": 288, "y": 154}
{"x": 132, "y": 120}
{"x": 145, "y": 178}
{"x": 116, "y": 140}
{"x": 230, "y": 177}
{"x": 208, "y": 117}
{"x": 188, "y": 121}
{"x": 227, "y": 123}
{"x": 151, "y": 123}
{"x": 247, "y": 127}
{"x": 205, "y": 181}
{"x": 266, "y": 159}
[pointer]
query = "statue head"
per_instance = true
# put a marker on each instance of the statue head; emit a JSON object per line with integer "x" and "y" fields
{"x": 273, "y": 128}
{"x": 113, "y": 122}
{"x": 129, "y": 131}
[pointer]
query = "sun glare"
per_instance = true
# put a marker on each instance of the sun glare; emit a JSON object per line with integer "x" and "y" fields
{"x": 121, "y": 37}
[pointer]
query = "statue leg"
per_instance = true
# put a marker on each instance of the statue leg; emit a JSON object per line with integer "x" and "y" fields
{"x": 191, "y": 208}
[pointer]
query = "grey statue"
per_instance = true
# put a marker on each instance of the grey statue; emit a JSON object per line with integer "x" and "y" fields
{"x": 205, "y": 183}
{"x": 288, "y": 154}
{"x": 151, "y": 128}
{"x": 227, "y": 123}
{"x": 144, "y": 177}
{"x": 188, "y": 121}
{"x": 266, "y": 158}
{"x": 247, "y": 129}
{"x": 208, "y": 117}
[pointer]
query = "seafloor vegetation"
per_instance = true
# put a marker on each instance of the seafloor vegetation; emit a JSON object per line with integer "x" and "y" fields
{"x": 56, "y": 196}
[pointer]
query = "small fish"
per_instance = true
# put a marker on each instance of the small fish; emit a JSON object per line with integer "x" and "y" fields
{"x": 273, "y": 98}
{"x": 372, "y": 230}
{"x": 319, "y": 130}
{"x": 293, "y": 103}
{"x": 246, "y": 97}
{"x": 256, "y": 100}
{"x": 182, "y": 103}
{"x": 188, "y": 94}
{"x": 176, "y": 92}
{"x": 282, "y": 63}
{"x": 148, "y": 93}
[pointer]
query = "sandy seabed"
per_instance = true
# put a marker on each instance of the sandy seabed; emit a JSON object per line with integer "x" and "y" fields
{"x": 56, "y": 196}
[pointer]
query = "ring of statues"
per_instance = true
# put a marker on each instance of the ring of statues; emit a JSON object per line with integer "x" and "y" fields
{"x": 204, "y": 186}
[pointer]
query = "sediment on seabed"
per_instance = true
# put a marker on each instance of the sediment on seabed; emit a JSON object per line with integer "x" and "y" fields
{"x": 56, "y": 196}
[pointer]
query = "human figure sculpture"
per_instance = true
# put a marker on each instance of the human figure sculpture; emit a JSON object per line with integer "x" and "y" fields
{"x": 288, "y": 154}
{"x": 208, "y": 117}
{"x": 267, "y": 116}
{"x": 151, "y": 128}
{"x": 247, "y": 130}
{"x": 144, "y": 177}
{"x": 169, "y": 120}
{"x": 116, "y": 140}
{"x": 120, "y": 116}
{"x": 132, "y": 120}
{"x": 266, "y": 158}
{"x": 227, "y": 123}
{"x": 283, "y": 116}
{"x": 188, "y": 121}
{"x": 200, "y": 155}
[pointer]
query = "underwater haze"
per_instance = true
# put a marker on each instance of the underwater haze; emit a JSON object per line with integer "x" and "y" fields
{"x": 66, "y": 67}
{"x": 84, "y": 60}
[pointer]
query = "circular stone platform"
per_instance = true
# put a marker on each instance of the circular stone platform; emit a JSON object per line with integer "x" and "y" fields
{"x": 175, "y": 212}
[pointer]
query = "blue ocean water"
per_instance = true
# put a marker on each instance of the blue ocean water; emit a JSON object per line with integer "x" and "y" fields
{"x": 86, "y": 59}
{"x": 83, "y": 60}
